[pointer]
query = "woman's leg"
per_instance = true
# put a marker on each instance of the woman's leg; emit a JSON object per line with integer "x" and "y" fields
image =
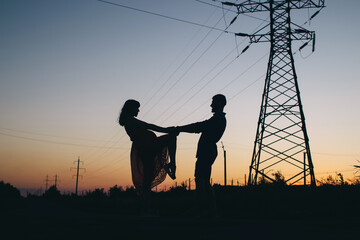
{"x": 148, "y": 170}
{"x": 172, "y": 149}
{"x": 169, "y": 141}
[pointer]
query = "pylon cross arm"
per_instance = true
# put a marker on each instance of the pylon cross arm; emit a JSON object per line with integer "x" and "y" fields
{"x": 251, "y": 6}
{"x": 256, "y": 38}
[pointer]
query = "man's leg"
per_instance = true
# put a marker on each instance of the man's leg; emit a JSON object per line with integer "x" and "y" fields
{"x": 205, "y": 195}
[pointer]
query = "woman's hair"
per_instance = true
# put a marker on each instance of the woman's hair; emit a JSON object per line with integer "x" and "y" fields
{"x": 127, "y": 109}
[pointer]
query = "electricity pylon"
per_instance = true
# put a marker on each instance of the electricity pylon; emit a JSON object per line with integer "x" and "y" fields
{"x": 281, "y": 137}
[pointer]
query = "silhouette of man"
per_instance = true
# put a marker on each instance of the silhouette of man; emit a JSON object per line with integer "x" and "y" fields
{"x": 211, "y": 131}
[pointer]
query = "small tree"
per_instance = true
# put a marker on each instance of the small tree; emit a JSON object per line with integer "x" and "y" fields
{"x": 8, "y": 191}
{"x": 98, "y": 194}
{"x": 279, "y": 179}
{"x": 52, "y": 193}
{"x": 116, "y": 192}
{"x": 338, "y": 180}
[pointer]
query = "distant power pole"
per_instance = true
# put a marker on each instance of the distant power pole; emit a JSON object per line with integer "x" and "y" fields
{"x": 77, "y": 174}
{"x": 47, "y": 182}
{"x": 281, "y": 135}
{"x": 224, "y": 163}
{"x": 55, "y": 180}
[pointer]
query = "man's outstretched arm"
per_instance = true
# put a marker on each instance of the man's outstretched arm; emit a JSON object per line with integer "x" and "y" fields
{"x": 192, "y": 128}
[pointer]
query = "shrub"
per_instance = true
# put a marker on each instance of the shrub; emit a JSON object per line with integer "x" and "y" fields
{"x": 8, "y": 191}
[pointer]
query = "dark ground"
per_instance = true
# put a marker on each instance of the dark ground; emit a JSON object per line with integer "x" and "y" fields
{"x": 328, "y": 212}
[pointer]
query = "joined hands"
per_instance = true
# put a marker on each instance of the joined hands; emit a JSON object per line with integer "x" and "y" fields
{"x": 173, "y": 130}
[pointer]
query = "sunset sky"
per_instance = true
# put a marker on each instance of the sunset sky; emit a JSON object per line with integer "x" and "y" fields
{"x": 67, "y": 67}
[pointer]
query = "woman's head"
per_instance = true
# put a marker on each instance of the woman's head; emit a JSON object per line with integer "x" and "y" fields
{"x": 130, "y": 109}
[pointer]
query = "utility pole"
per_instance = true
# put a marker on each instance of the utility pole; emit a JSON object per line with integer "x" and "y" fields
{"x": 224, "y": 163}
{"x": 47, "y": 182}
{"x": 55, "y": 180}
{"x": 281, "y": 135}
{"x": 77, "y": 174}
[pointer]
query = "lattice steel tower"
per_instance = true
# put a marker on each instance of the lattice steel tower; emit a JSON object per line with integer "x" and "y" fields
{"x": 281, "y": 137}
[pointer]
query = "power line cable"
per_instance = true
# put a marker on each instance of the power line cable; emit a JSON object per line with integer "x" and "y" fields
{"x": 182, "y": 76}
{"x": 209, "y": 80}
{"x": 51, "y": 135}
{"x": 200, "y": 89}
{"x": 170, "y": 77}
{"x": 53, "y": 142}
{"x": 193, "y": 51}
{"x": 163, "y": 16}
{"x": 191, "y": 66}
{"x": 241, "y": 74}
{"x": 236, "y": 78}
{"x": 94, "y": 159}
{"x": 173, "y": 61}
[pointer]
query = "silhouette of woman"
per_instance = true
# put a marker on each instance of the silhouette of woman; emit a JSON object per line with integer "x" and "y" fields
{"x": 149, "y": 153}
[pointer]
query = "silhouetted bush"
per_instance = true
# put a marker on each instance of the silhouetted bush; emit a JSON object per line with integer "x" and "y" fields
{"x": 178, "y": 189}
{"x": 279, "y": 179}
{"x": 130, "y": 191}
{"x": 116, "y": 192}
{"x": 98, "y": 194}
{"x": 52, "y": 193}
{"x": 355, "y": 181}
{"x": 338, "y": 180}
{"x": 8, "y": 191}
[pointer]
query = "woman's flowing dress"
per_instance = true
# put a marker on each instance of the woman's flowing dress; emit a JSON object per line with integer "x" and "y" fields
{"x": 148, "y": 156}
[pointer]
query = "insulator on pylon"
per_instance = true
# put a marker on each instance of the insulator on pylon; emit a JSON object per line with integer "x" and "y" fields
{"x": 301, "y": 30}
{"x": 313, "y": 44}
{"x": 304, "y": 45}
{"x": 232, "y": 21}
{"x": 242, "y": 34}
{"x": 228, "y": 3}
{"x": 314, "y": 15}
{"x": 244, "y": 50}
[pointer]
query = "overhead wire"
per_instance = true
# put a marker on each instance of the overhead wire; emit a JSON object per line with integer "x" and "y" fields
{"x": 146, "y": 102}
{"x": 236, "y": 77}
{"x": 198, "y": 82}
{"x": 245, "y": 71}
{"x": 172, "y": 74}
{"x": 163, "y": 16}
{"x": 229, "y": 82}
{"x": 93, "y": 147}
{"x": 174, "y": 60}
{"x": 242, "y": 89}
{"x": 51, "y": 135}
{"x": 190, "y": 67}
{"x": 200, "y": 89}
{"x": 53, "y": 142}
{"x": 183, "y": 62}
{"x": 186, "y": 92}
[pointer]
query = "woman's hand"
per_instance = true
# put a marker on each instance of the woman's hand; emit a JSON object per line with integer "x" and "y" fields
{"x": 172, "y": 130}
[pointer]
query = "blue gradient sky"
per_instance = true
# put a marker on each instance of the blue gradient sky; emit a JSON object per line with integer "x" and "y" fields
{"x": 66, "y": 68}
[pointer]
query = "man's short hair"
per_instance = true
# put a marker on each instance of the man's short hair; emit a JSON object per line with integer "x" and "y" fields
{"x": 221, "y": 99}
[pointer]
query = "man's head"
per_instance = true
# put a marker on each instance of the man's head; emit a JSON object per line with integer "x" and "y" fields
{"x": 218, "y": 103}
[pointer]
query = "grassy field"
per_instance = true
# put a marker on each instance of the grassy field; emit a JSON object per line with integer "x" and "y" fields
{"x": 271, "y": 212}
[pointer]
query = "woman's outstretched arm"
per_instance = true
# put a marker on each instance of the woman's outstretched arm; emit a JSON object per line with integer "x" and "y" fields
{"x": 153, "y": 127}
